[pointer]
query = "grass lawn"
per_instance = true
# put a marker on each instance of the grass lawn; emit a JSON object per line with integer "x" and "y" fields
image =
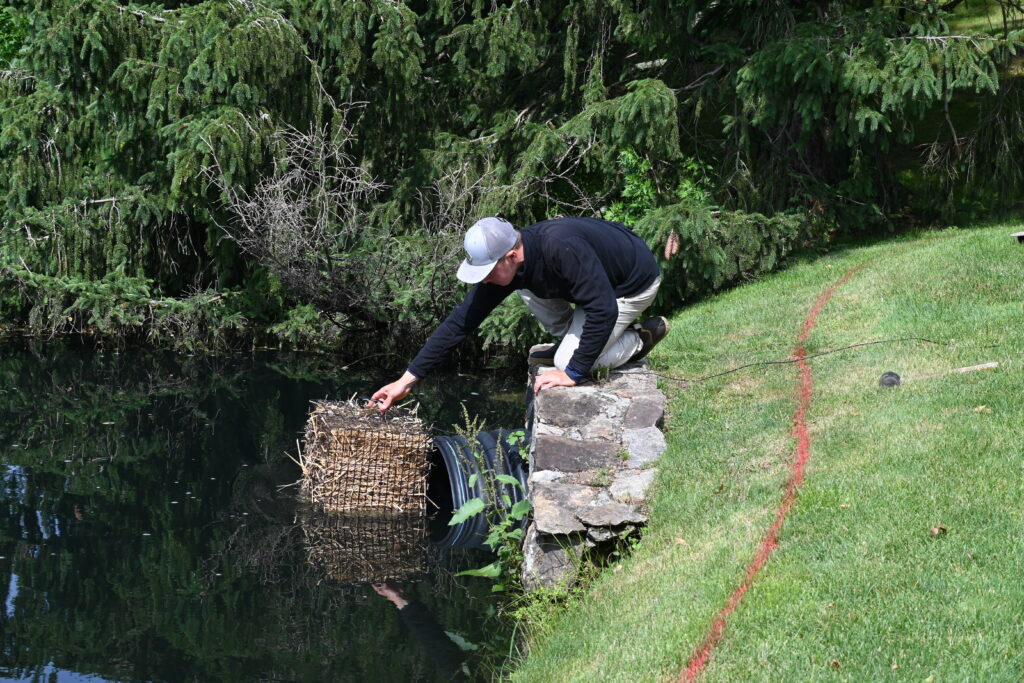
{"x": 903, "y": 556}
{"x": 984, "y": 15}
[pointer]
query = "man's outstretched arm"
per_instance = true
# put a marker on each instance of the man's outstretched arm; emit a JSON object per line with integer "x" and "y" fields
{"x": 465, "y": 318}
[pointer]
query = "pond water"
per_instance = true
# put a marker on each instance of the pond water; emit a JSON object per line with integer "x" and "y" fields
{"x": 144, "y": 534}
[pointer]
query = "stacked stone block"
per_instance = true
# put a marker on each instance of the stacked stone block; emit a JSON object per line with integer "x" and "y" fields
{"x": 593, "y": 449}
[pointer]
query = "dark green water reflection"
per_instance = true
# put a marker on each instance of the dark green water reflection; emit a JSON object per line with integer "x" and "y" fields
{"x": 143, "y": 534}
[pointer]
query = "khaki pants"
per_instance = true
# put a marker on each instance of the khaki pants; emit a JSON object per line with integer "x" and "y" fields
{"x": 564, "y": 320}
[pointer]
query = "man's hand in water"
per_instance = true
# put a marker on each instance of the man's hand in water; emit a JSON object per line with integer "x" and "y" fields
{"x": 393, "y": 592}
{"x": 396, "y": 391}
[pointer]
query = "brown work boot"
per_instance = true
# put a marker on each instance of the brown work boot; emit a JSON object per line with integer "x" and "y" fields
{"x": 542, "y": 354}
{"x": 651, "y": 331}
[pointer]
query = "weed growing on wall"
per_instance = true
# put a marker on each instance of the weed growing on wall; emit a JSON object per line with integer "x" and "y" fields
{"x": 505, "y": 518}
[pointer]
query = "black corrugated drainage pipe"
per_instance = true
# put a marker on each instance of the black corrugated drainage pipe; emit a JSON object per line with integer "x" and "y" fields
{"x": 452, "y": 464}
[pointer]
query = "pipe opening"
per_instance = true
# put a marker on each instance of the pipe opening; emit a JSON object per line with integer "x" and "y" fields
{"x": 454, "y": 461}
{"x": 439, "y": 496}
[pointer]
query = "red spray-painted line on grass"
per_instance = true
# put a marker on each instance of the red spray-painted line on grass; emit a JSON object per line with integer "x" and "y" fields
{"x": 802, "y": 452}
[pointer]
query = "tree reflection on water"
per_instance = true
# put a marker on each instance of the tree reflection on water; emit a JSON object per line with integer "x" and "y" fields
{"x": 145, "y": 533}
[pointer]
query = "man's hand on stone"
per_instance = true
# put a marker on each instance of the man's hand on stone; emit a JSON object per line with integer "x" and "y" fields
{"x": 552, "y": 378}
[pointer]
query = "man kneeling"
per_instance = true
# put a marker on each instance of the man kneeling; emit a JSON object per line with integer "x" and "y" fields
{"x": 585, "y": 279}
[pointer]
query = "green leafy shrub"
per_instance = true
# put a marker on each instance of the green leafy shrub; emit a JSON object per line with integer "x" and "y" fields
{"x": 716, "y": 248}
{"x": 505, "y": 519}
{"x": 305, "y": 327}
{"x": 701, "y": 248}
{"x": 119, "y": 306}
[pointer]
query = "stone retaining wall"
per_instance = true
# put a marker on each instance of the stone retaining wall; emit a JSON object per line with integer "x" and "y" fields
{"x": 592, "y": 453}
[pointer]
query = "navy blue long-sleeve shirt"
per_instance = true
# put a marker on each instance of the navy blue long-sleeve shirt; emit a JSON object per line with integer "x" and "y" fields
{"x": 585, "y": 261}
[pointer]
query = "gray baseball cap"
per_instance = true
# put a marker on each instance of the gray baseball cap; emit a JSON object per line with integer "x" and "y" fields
{"x": 486, "y": 242}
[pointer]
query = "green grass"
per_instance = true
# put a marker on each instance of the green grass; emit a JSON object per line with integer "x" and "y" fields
{"x": 984, "y": 15}
{"x": 859, "y": 588}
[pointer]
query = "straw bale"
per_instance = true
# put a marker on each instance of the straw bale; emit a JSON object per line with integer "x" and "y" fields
{"x": 356, "y": 459}
{"x": 366, "y": 547}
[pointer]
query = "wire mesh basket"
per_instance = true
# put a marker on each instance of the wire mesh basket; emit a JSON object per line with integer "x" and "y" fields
{"x": 367, "y": 546}
{"x": 357, "y": 459}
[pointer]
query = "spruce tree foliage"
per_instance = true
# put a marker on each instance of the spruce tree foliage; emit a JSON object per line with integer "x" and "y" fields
{"x": 143, "y": 143}
{"x": 12, "y": 32}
